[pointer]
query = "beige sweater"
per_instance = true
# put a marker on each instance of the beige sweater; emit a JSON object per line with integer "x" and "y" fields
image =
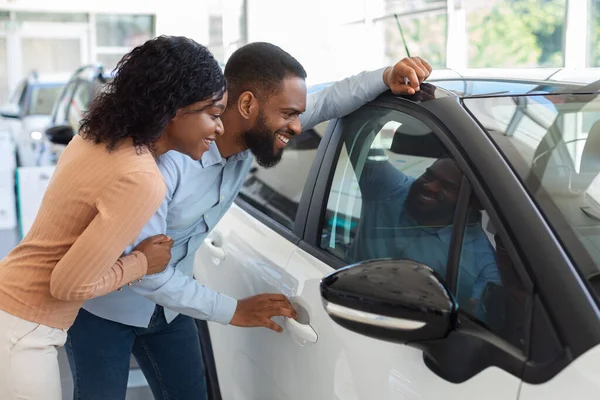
{"x": 95, "y": 206}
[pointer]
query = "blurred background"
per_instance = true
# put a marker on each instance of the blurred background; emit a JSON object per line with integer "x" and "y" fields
{"x": 332, "y": 38}
{"x": 55, "y": 56}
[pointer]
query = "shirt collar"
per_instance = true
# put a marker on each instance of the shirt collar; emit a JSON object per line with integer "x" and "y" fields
{"x": 213, "y": 156}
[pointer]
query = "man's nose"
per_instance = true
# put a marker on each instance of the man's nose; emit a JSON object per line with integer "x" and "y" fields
{"x": 433, "y": 186}
{"x": 295, "y": 126}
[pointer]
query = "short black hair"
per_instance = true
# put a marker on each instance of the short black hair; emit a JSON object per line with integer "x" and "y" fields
{"x": 151, "y": 83}
{"x": 260, "y": 68}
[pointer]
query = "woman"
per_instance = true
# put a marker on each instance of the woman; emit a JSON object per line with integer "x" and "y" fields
{"x": 168, "y": 94}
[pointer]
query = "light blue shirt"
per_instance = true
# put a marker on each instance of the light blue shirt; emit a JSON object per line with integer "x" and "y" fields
{"x": 198, "y": 195}
{"x": 386, "y": 230}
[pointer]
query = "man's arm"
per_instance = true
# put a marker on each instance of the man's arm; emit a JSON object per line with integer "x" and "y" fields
{"x": 347, "y": 95}
{"x": 178, "y": 292}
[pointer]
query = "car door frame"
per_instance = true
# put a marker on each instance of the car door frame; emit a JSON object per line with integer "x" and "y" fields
{"x": 294, "y": 236}
{"x": 462, "y": 135}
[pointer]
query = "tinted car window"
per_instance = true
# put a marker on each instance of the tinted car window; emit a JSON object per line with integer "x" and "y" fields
{"x": 394, "y": 195}
{"x": 60, "y": 112}
{"x": 553, "y": 143}
{"x": 43, "y": 97}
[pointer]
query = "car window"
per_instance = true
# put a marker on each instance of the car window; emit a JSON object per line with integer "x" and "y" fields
{"x": 42, "y": 98}
{"x": 394, "y": 195}
{"x": 553, "y": 143}
{"x": 60, "y": 113}
{"x": 19, "y": 93}
{"x": 79, "y": 104}
{"x": 276, "y": 191}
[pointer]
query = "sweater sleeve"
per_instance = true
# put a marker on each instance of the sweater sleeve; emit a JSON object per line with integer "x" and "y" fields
{"x": 93, "y": 266}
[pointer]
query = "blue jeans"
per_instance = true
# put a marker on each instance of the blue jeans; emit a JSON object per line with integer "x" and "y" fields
{"x": 169, "y": 355}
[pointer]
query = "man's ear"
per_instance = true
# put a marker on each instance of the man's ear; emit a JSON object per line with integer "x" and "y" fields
{"x": 247, "y": 105}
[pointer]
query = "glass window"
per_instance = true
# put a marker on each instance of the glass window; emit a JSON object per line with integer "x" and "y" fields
{"x": 50, "y": 55}
{"x": 425, "y": 35}
{"x": 109, "y": 61}
{"x": 18, "y": 94}
{"x": 594, "y": 33}
{"x": 394, "y": 195}
{"x": 60, "y": 114}
{"x": 43, "y": 98}
{"x": 123, "y": 30}
{"x": 51, "y": 17}
{"x": 515, "y": 33}
{"x": 79, "y": 104}
{"x": 215, "y": 30}
{"x": 553, "y": 143}
{"x": 277, "y": 191}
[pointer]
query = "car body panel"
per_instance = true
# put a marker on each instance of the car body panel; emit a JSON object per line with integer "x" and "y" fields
{"x": 246, "y": 270}
{"x": 345, "y": 365}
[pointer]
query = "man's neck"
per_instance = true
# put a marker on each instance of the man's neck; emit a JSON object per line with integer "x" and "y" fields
{"x": 230, "y": 142}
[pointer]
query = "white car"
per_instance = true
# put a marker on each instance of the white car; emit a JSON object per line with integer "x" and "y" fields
{"x": 442, "y": 245}
{"x": 27, "y": 114}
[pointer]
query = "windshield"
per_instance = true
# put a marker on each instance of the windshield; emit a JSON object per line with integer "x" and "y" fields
{"x": 43, "y": 98}
{"x": 553, "y": 143}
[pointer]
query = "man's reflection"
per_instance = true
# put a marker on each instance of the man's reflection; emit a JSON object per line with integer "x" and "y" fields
{"x": 407, "y": 218}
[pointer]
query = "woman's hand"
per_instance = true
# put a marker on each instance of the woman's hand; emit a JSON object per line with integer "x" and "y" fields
{"x": 157, "y": 250}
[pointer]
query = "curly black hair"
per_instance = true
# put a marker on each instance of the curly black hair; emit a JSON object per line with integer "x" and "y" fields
{"x": 151, "y": 83}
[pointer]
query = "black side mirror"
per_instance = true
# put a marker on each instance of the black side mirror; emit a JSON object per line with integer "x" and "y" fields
{"x": 61, "y": 134}
{"x": 394, "y": 300}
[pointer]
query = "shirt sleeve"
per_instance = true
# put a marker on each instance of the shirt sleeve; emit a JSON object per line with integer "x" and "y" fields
{"x": 183, "y": 294}
{"x": 171, "y": 288}
{"x": 342, "y": 98}
{"x": 92, "y": 266}
{"x": 488, "y": 272}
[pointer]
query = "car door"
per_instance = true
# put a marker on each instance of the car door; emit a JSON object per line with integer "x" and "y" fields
{"x": 376, "y": 155}
{"x": 243, "y": 256}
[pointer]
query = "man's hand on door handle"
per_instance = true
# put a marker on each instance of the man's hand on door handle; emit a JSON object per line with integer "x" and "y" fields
{"x": 257, "y": 311}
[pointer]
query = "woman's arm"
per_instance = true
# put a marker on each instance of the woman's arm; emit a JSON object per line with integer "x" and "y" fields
{"x": 92, "y": 266}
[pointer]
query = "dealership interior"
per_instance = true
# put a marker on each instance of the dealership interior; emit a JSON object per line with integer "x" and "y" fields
{"x": 55, "y": 55}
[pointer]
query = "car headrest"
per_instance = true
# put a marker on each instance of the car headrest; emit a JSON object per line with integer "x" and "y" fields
{"x": 590, "y": 158}
{"x": 423, "y": 145}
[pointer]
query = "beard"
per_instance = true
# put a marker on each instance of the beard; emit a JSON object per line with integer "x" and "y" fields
{"x": 261, "y": 142}
{"x": 441, "y": 214}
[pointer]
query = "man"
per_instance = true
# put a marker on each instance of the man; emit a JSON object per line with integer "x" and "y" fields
{"x": 407, "y": 218}
{"x": 267, "y": 106}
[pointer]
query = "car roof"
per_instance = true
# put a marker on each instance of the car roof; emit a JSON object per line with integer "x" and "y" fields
{"x": 491, "y": 82}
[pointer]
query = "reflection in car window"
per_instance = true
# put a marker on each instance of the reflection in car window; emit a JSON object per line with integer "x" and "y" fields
{"x": 277, "y": 191}
{"x": 43, "y": 98}
{"x": 553, "y": 143}
{"x": 394, "y": 195}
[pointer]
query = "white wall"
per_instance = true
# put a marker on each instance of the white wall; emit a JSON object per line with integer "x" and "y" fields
{"x": 313, "y": 32}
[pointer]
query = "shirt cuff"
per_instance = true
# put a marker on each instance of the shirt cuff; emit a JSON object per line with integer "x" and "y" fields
{"x": 156, "y": 281}
{"x": 374, "y": 79}
{"x": 135, "y": 266}
{"x": 224, "y": 310}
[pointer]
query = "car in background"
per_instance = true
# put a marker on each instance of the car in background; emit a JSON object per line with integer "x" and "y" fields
{"x": 502, "y": 303}
{"x": 83, "y": 86}
{"x": 27, "y": 114}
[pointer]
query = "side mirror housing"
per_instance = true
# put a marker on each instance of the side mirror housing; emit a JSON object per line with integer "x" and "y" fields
{"x": 60, "y": 134}
{"x": 10, "y": 111}
{"x": 398, "y": 301}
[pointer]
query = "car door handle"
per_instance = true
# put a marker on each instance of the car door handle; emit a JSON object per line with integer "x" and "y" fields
{"x": 215, "y": 250}
{"x": 302, "y": 331}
